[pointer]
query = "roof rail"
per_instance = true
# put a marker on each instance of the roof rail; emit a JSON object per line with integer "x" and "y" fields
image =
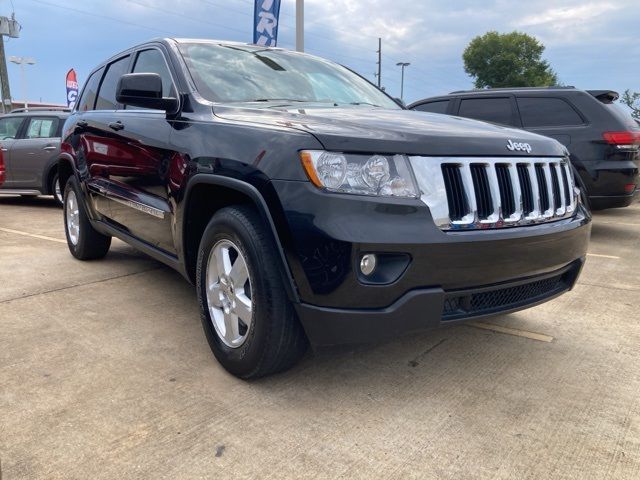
{"x": 40, "y": 109}
{"x": 478, "y": 90}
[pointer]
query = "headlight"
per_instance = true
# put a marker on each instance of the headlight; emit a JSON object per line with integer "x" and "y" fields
{"x": 378, "y": 175}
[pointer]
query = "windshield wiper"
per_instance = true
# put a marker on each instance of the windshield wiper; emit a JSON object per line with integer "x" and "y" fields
{"x": 365, "y": 103}
{"x": 276, "y": 100}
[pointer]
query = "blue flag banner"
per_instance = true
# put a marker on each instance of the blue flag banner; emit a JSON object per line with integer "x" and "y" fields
{"x": 265, "y": 22}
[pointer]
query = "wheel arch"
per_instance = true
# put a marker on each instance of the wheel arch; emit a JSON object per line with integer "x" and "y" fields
{"x": 204, "y": 196}
{"x": 64, "y": 167}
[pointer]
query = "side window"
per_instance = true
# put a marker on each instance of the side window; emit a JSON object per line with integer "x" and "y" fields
{"x": 9, "y": 127}
{"x": 152, "y": 61}
{"x": 547, "y": 112}
{"x": 42, "y": 127}
{"x": 439, "y": 106}
{"x": 495, "y": 110}
{"x": 89, "y": 92}
{"x": 107, "y": 93}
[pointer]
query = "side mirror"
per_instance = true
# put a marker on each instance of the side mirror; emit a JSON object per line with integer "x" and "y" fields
{"x": 144, "y": 90}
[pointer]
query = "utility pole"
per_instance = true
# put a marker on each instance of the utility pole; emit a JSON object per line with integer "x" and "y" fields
{"x": 379, "y": 62}
{"x": 11, "y": 28}
{"x": 299, "y": 25}
{"x": 402, "y": 65}
{"x": 4, "y": 79}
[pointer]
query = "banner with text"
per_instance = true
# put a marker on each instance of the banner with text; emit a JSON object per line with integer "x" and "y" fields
{"x": 265, "y": 22}
{"x": 72, "y": 88}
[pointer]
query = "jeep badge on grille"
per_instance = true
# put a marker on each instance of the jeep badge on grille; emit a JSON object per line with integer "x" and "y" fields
{"x": 511, "y": 145}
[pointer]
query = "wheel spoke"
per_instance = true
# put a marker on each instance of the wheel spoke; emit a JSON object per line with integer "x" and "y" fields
{"x": 223, "y": 260}
{"x": 214, "y": 294}
{"x": 239, "y": 273}
{"x": 231, "y": 327}
{"x": 243, "y": 308}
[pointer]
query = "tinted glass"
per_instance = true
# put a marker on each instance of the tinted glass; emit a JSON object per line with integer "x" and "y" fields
{"x": 107, "y": 94}
{"x": 9, "y": 127}
{"x": 547, "y": 112}
{"x": 244, "y": 73}
{"x": 495, "y": 110}
{"x": 152, "y": 61}
{"x": 88, "y": 98}
{"x": 434, "y": 107}
{"x": 42, "y": 128}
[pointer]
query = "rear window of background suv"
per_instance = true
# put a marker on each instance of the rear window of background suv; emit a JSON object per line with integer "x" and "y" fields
{"x": 547, "y": 112}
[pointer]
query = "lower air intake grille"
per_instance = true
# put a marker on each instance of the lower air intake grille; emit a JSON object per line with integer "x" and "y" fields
{"x": 491, "y": 301}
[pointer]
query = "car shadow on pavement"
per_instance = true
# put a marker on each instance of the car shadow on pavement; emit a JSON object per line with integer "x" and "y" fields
{"x": 29, "y": 201}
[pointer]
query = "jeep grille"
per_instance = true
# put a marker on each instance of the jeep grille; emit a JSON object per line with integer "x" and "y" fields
{"x": 480, "y": 193}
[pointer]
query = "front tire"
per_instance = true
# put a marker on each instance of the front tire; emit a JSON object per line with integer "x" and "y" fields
{"x": 85, "y": 243}
{"x": 249, "y": 322}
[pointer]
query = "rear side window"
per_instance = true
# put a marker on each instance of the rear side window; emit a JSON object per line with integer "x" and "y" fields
{"x": 42, "y": 127}
{"x": 88, "y": 98}
{"x": 547, "y": 112}
{"x": 495, "y": 110}
{"x": 9, "y": 127}
{"x": 152, "y": 61}
{"x": 439, "y": 106}
{"x": 107, "y": 94}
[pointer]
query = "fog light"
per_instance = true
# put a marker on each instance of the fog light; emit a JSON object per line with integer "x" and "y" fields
{"x": 368, "y": 263}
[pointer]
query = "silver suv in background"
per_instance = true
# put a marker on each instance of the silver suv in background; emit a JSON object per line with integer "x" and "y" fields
{"x": 30, "y": 147}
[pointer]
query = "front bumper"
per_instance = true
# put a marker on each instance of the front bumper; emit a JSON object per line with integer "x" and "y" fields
{"x": 325, "y": 236}
{"x": 426, "y": 308}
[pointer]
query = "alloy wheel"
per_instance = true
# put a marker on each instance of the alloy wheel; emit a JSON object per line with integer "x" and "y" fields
{"x": 72, "y": 214}
{"x": 229, "y": 294}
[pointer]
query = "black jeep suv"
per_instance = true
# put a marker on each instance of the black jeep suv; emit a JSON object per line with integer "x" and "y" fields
{"x": 602, "y": 139}
{"x": 306, "y": 205}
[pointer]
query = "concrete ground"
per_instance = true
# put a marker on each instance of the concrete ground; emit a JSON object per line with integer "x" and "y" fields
{"x": 105, "y": 373}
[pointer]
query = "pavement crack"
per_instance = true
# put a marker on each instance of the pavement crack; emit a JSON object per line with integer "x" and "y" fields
{"x": 624, "y": 288}
{"x": 79, "y": 285}
{"x": 415, "y": 362}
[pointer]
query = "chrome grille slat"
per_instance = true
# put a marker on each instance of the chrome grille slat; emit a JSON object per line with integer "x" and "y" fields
{"x": 515, "y": 185}
{"x": 562, "y": 209}
{"x": 549, "y": 212}
{"x": 447, "y": 186}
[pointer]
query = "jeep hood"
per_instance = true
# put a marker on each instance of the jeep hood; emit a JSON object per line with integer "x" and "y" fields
{"x": 363, "y": 129}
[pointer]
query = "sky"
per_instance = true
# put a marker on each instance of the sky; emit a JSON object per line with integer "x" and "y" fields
{"x": 590, "y": 44}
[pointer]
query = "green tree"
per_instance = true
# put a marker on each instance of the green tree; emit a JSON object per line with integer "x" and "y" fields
{"x": 632, "y": 100}
{"x": 507, "y": 60}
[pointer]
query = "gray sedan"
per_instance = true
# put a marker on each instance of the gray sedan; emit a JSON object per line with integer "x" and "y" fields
{"x": 30, "y": 144}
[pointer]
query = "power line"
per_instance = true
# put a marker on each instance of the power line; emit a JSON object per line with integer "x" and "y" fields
{"x": 92, "y": 14}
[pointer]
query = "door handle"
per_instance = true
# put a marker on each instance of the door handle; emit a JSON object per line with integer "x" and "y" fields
{"x": 116, "y": 125}
{"x": 4, "y": 149}
{"x": 49, "y": 147}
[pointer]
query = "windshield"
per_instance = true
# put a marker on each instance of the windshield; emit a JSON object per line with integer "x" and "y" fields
{"x": 244, "y": 73}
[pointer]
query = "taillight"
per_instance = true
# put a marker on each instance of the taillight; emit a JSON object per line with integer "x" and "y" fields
{"x": 2, "y": 169}
{"x": 628, "y": 138}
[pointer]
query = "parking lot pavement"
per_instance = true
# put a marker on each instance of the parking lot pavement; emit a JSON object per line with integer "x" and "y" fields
{"x": 105, "y": 373}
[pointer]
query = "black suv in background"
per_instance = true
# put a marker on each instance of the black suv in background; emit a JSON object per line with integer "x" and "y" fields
{"x": 307, "y": 205}
{"x": 602, "y": 138}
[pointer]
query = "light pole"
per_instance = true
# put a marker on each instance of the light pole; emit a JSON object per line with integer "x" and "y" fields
{"x": 402, "y": 65}
{"x": 22, "y": 61}
{"x": 299, "y": 25}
